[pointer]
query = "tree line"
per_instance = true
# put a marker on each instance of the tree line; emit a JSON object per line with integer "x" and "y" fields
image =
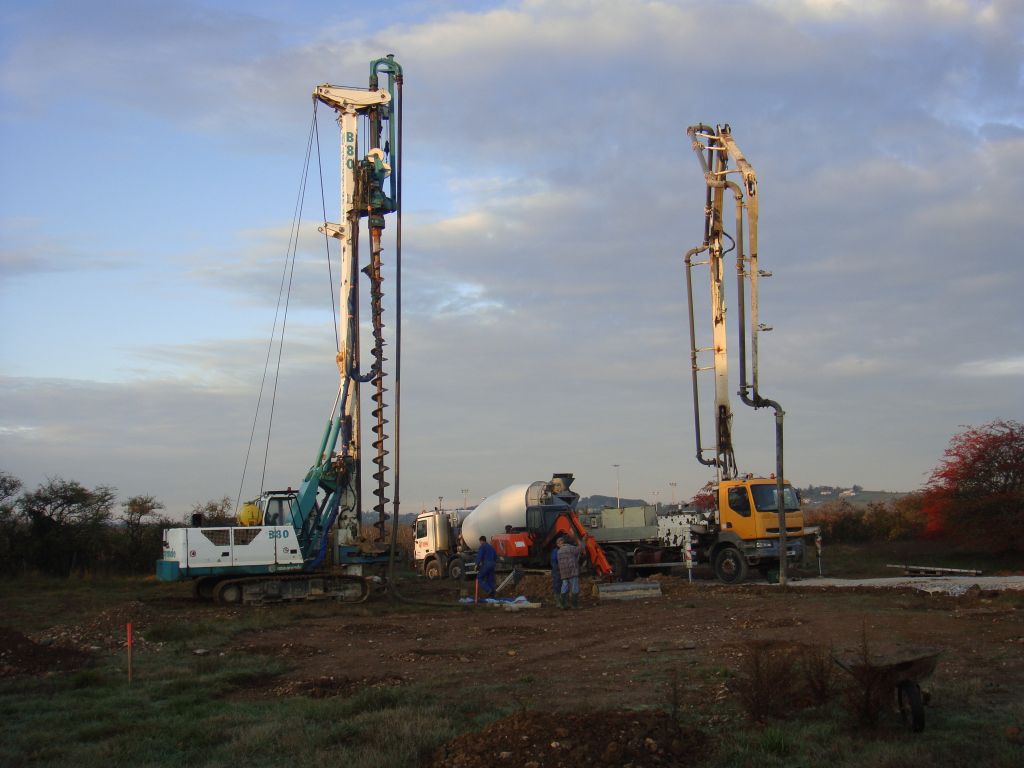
{"x": 64, "y": 528}
{"x": 974, "y": 497}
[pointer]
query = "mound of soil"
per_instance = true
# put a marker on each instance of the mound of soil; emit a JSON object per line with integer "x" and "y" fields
{"x": 21, "y": 656}
{"x": 554, "y": 739}
{"x": 105, "y": 630}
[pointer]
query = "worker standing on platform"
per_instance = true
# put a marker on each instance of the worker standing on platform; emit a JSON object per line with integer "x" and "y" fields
{"x": 569, "y": 571}
{"x": 486, "y": 557}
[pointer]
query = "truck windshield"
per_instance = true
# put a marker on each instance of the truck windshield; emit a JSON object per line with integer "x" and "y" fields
{"x": 765, "y": 498}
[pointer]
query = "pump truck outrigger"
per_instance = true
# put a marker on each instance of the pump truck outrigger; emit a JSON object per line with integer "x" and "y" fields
{"x": 283, "y": 549}
{"x": 748, "y": 526}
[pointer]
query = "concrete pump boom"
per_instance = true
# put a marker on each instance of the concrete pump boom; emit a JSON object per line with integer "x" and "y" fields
{"x": 715, "y": 148}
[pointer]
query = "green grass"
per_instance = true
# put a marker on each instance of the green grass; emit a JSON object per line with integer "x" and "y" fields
{"x": 183, "y": 711}
{"x": 954, "y": 737}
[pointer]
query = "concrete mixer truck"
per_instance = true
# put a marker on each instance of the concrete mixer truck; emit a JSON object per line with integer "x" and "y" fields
{"x": 522, "y": 522}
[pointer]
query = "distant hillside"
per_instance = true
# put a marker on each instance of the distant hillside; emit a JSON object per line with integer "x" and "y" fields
{"x": 815, "y": 495}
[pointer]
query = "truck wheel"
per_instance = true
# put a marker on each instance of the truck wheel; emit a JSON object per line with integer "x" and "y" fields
{"x": 457, "y": 569}
{"x": 202, "y": 589}
{"x": 227, "y": 593}
{"x": 432, "y": 570}
{"x": 730, "y": 566}
{"x": 619, "y": 562}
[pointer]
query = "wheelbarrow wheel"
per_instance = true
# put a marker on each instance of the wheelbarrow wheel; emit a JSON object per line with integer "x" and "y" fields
{"x": 911, "y": 705}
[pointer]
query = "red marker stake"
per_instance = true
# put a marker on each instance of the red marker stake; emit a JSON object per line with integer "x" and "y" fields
{"x": 130, "y": 644}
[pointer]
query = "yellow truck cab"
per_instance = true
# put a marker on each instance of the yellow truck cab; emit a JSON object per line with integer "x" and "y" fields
{"x": 748, "y": 527}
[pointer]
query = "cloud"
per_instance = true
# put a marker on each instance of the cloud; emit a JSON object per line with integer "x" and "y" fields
{"x": 28, "y": 248}
{"x": 853, "y": 365}
{"x": 1005, "y": 367}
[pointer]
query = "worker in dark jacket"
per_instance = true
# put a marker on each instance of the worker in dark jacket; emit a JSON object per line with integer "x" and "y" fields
{"x": 569, "y": 570}
{"x": 556, "y": 578}
{"x": 486, "y": 557}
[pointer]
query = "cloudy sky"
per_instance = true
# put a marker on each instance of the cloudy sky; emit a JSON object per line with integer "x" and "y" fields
{"x": 152, "y": 154}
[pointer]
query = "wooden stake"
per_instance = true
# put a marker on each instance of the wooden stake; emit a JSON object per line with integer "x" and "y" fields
{"x": 130, "y": 644}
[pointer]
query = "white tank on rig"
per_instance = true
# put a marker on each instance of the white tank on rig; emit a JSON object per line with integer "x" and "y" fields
{"x": 508, "y": 507}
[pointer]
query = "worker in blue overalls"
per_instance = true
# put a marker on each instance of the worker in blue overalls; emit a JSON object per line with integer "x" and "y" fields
{"x": 556, "y": 577}
{"x": 486, "y": 557}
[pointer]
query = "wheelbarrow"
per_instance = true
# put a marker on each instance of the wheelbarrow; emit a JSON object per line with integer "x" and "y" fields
{"x": 901, "y": 670}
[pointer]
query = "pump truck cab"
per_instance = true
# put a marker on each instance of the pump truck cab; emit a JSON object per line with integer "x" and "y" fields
{"x": 522, "y": 522}
{"x": 742, "y": 531}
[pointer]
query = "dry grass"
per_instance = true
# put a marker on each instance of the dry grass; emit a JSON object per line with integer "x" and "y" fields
{"x": 818, "y": 672}
{"x": 767, "y": 680}
{"x": 870, "y": 691}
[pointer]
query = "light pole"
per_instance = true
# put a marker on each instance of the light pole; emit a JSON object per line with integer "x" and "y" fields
{"x": 656, "y": 495}
{"x": 673, "y": 486}
{"x": 465, "y": 498}
{"x": 618, "y": 493}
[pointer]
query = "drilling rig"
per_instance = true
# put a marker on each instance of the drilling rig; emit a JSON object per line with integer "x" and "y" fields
{"x": 750, "y": 525}
{"x": 306, "y": 542}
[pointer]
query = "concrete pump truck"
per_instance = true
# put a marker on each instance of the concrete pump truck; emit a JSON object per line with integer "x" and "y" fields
{"x": 306, "y": 542}
{"x": 755, "y": 521}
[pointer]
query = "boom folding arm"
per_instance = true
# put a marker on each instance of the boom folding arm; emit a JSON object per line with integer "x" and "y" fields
{"x": 715, "y": 147}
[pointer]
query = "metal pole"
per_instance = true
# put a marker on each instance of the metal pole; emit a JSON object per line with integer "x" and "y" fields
{"x": 618, "y": 494}
{"x": 781, "y": 497}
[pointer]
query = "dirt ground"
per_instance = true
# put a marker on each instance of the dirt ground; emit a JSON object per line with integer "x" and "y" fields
{"x": 611, "y": 656}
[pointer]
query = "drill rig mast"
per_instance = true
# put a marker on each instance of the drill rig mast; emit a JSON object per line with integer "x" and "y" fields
{"x": 363, "y": 195}
{"x": 283, "y": 549}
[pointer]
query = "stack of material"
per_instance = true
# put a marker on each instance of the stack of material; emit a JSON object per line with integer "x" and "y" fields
{"x": 628, "y": 590}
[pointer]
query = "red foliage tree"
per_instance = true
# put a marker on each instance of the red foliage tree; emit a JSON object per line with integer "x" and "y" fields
{"x": 976, "y": 493}
{"x": 704, "y": 500}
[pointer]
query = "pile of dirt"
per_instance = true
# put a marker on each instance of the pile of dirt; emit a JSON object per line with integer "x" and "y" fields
{"x": 535, "y": 588}
{"x": 554, "y": 739}
{"x": 21, "y": 656}
{"x": 105, "y": 630}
